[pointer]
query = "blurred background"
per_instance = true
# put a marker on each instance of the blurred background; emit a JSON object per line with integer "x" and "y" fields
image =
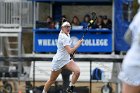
{"x": 29, "y": 30}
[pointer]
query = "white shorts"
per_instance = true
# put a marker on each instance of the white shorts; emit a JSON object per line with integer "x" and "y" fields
{"x": 58, "y": 64}
{"x": 130, "y": 73}
{"x": 129, "y": 78}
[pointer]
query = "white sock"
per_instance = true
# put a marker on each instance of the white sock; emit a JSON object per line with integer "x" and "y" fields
{"x": 71, "y": 84}
{"x": 44, "y": 91}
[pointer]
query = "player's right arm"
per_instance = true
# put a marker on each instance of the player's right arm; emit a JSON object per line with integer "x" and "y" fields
{"x": 72, "y": 50}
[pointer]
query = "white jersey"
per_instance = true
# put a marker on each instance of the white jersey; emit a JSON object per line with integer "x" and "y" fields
{"x": 135, "y": 28}
{"x": 134, "y": 51}
{"x": 131, "y": 63}
{"x": 62, "y": 57}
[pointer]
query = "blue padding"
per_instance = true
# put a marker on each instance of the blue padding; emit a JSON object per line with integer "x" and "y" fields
{"x": 121, "y": 26}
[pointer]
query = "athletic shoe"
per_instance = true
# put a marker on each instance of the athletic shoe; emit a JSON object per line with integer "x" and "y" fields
{"x": 70, "y": 89}
{"x": 44, "y": 91}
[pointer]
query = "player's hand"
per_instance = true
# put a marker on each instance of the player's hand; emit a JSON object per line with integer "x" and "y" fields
{"x": 81, "y": 40}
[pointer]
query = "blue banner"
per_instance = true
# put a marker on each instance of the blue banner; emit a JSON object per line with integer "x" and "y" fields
{"x": 94, "y": 41}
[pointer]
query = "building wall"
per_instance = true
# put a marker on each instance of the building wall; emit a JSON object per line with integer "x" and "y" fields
{"x": 44, "y": 11}
{"x": 80, "y": 11}
{"x": 76, "y": 10}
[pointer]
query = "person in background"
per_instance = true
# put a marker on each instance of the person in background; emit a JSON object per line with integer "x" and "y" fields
{"x": 52, "y": 25}
{"x": 75, "y": 21}
{"x": 66, "y": 79}
{"x": 86, "y": 21}
{"x": 48, "y": 21}
{"x": 130, "y": 74}
{"x": 99, "y": 22}
{"x": 107, "y": 23}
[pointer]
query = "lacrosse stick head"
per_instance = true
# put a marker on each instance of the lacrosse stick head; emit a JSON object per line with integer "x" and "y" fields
{"x": 93, "y": 16}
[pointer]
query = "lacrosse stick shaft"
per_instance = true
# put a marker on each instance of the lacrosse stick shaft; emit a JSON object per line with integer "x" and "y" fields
{"x": 89, "y": 25}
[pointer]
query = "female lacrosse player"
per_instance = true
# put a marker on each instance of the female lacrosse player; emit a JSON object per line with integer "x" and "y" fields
{"x": 130, "y": 74}
{"x": 61, "y": 60}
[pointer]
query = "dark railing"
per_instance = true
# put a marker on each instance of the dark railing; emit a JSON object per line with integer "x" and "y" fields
{"x": 115, "y": 59}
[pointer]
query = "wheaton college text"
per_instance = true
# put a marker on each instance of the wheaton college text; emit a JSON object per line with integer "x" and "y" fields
{"x": 86, "y": 42}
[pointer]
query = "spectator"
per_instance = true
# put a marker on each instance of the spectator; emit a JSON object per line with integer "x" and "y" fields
{"x": 85, "y": 21}
{"x": 52, "y": 25}
{"x": 99, "y": 22}
{"x": 48, "y": 21}
{"x": 66, "y": 79}
{"x": 75, "y": 21}
{"x": 107, "y": 23}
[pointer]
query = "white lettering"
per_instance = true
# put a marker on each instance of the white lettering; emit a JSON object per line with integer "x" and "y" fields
{"x": 47, "y": 42}
{"x": 40, "y": 42}
{"x": 95, "y": 42}
{"x": 105, "y": 42}
{"x": 86, "y": 42}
